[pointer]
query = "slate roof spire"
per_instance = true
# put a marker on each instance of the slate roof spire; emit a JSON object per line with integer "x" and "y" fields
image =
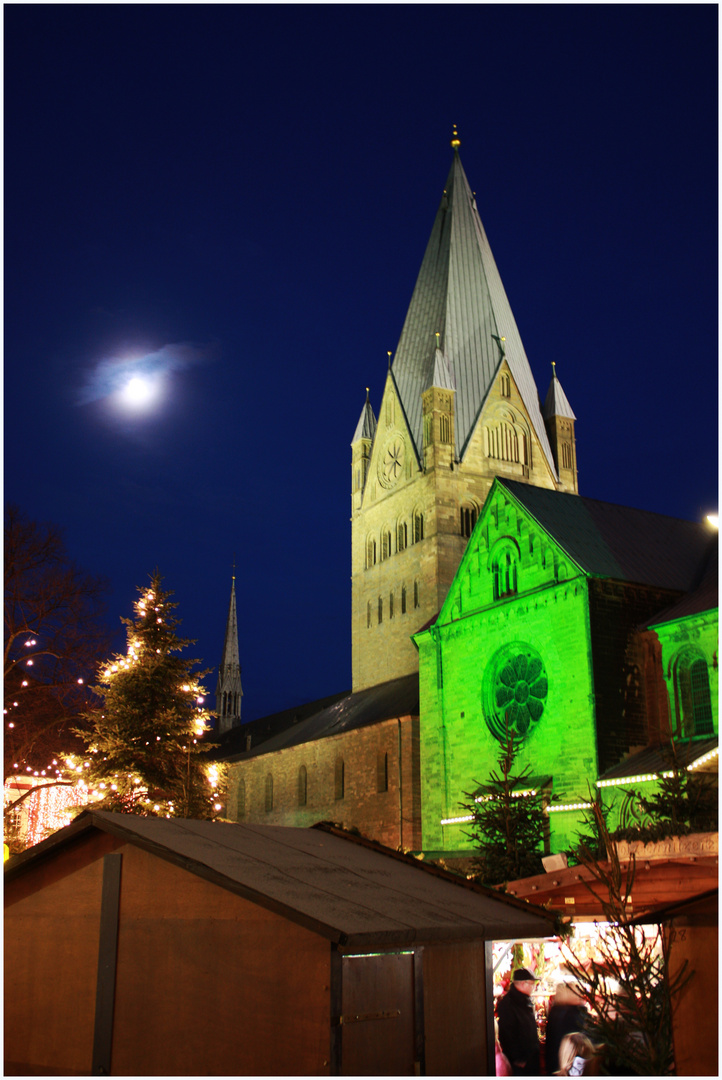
{"x": 228, "y": 688}
{"x": 459, "y": 294}
{"x": 556, "y": 402}
{"x": 367, "y": 422}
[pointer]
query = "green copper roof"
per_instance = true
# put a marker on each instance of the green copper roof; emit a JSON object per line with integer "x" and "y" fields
{"x": 460, "y": 296}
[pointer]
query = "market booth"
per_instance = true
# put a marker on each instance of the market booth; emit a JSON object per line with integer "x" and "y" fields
{"x": 146, "y": 946}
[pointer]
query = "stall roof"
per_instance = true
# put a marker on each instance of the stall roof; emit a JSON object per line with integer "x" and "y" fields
{"x": 347, "y": 889}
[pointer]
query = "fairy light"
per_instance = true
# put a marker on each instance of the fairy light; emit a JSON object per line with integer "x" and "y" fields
{"x": 557, "y": 807}
{"x": 457, "y": 820}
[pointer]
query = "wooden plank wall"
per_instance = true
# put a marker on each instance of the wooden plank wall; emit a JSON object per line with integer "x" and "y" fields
{"x": 455, "y": 1009}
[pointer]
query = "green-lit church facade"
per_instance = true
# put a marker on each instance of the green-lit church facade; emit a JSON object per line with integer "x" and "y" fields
{"x": 548, "y": 627}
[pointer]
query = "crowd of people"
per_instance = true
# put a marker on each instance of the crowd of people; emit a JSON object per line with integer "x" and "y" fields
{"x": 567, "y": 1050}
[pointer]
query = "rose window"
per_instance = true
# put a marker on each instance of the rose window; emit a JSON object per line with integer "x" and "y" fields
{"x": 514, "y": 691}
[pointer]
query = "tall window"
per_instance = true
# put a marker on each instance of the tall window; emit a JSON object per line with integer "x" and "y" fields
{"x": 381, "y": 609}
{"x": 417, "y": 599}
{"x": 391, "y": 605}
{"x": 693, "y": 703}
{"x": 302, "y": 785}
{"x": 370, "y": 552}
{"x": 418, "y": 526}
{"x": 444, "y": 429}
{"x": 469, "y": 515}
{"x": 504, "y": 569}
{"x": 403, "y": 599}
{"x": 269, "y": 793}
{"x": 385, "y": 544}
{"x": 505, "y": 385}
{"x": 382, "y": 771}
{"x": 402, "y": 536}
{"x": 339, "y": 778}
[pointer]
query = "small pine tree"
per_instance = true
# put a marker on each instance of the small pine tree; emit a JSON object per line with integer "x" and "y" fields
{"x": 508, "y": 827}
{"x": 144, "y": 754}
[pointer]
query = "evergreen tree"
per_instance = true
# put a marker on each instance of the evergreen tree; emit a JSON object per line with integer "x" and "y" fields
{"x": 508, "y": 826}
{"x": 632, "y": 984}
{"x": 144, "y": 750}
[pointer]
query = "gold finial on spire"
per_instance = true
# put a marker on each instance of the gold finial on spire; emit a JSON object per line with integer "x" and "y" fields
{"x": 389, "y": 354}
{"x": 438, "y": 335}
{"x": 455, "y": 140}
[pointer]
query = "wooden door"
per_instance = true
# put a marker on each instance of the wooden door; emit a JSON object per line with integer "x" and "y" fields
{"x": 377, "y": 1022}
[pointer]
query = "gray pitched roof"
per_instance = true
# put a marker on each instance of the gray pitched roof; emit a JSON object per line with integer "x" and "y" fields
{"x": 556, "y": 402}
{"x": 460, "y": 296}
{"x": 367, "y": 423}
{"x": 618, "y": 542}
{"x": 229, "y": 672}
{"x": 703, "y": 597}
{"x": 350, "y": 891}
{"x": 398, "y": 697}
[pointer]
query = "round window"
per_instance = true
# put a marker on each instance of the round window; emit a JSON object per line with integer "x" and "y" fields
{"x": 514, "y": 692}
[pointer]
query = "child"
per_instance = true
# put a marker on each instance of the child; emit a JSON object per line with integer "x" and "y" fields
{"x": 576, "y": 1056}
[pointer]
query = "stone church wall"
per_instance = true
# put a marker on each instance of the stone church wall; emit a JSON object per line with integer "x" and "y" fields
{"x": 367, "y": 779}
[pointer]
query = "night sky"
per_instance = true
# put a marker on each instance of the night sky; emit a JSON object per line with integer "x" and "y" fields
{"x": 235, "y": 200}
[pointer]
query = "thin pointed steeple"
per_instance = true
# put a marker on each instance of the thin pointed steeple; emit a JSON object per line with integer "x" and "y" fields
{"x": 459, "y": 294}
{"x": 228, "y": 688}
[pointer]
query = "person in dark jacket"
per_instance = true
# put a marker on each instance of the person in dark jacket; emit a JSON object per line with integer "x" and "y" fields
{"x": 517, "y": 1025}
{"x": 568, "y": 1013}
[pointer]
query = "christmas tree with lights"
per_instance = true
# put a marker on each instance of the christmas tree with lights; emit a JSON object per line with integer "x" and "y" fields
{"x": 144, "y": 750}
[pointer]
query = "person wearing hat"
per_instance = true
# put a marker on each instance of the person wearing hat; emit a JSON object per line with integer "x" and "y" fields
{"x": 517, "y": 1025}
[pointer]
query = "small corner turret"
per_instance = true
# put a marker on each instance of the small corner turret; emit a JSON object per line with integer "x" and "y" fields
{"x": 361, "y": 452}
{"x": 559, "y": 422}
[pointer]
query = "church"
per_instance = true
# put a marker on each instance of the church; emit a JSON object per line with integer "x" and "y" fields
{"x": 487, "y": 595}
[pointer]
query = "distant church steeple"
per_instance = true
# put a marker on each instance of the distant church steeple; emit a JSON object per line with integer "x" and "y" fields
{"x": 228, "y": 687}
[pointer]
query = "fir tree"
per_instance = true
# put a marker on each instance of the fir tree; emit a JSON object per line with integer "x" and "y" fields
{"x": 144, "y": 750}
{"x": 632, "y": 984}
{"x": 508, "y": 826}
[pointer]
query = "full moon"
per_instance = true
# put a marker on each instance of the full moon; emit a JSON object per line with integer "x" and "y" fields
{"x": 138, "y": 392}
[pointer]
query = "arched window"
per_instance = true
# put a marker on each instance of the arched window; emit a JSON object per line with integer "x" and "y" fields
{"x": 391, "y": 605}
{"x": 444, "y": 429}
{"x": 417, "y": 599}
{"x": 382, "y": 771}
{"x": 381, "y": 609}
{"x": 241, "y": 800}
{"x": 469, "y": 514}
{"x": 692, "y": 699}
{"x": 269, "y": 793}
{"x": 370, "y": 552}
{"x": 385, "y": 544}
{"x": 504, "y": 563}
{"x": 418, "y": 526}
{"x": 505, "y": 385}
{"x": 403, "y": 599}
{"x": 566, "y": 455}
{"x": 402, "y": 536}
{"x": 339, "y": 778}
{"x": 302, "y": 785}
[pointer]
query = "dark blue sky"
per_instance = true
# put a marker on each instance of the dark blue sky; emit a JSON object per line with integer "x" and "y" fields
{"x": 242, "y": 196}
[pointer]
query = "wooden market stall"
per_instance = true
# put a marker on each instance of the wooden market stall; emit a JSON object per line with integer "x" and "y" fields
{"x": 145, "y": 946}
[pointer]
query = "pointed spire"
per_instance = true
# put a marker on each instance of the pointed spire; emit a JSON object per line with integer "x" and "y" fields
{"x": 459, "y": 293}
{"x": 556, "y": 402}
{"x": 228, "y": 688}
{"x": 367, "y": 421}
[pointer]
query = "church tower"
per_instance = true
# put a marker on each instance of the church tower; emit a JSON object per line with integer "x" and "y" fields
{"x": 559, "y": 420}
{"x": 228, "y": 687}
{"x": 459, "y": 407}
